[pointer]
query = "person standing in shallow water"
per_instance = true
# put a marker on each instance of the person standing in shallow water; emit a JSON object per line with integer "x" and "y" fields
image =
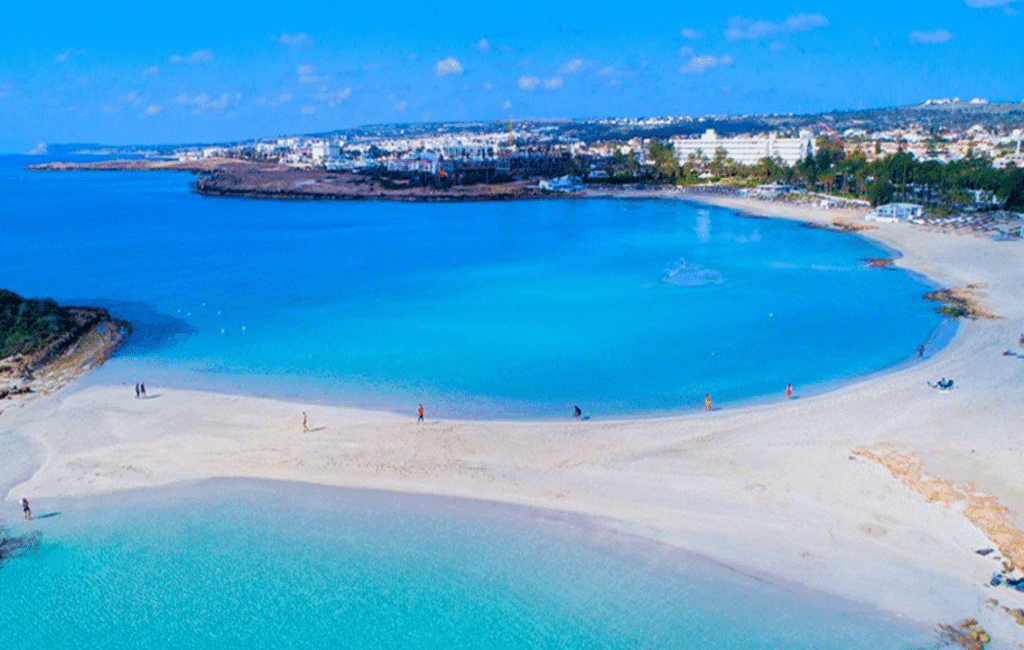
{"x": 26, "y": 508}
{"x": 419, "y": 412}
{"x": 789, "y": 391}
{"x": 577, "y": 412}
{"x": 707, "y": 402}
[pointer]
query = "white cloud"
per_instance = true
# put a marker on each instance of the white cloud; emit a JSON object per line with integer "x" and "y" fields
{"x": 308, "y": 110}
{"x": 703, "y": 63}
{"x": 448, "y": 66}
{"x": 553, "y": 83}
{"x": 213, "y": 106}
{"x": 333, "y": 97}
{"x": 777, "y": 46}
{"x": 67, "y": 54}
{"x": 575, "y": 66}
{"x": 488, "y": 85}
{"x": 483, "y": 46}
{"x": 984, "y": 4}
{"x": 151, "y": 71}
{"x": 806, "y": 22}
{"x": 204, "y": 104}
{"x": 301, "y": 39}
{"x": 400, "y": 106}
{"x": 284, "y": 98}
{"x": 130, "y": 97}
{"x": 528, "y": 83}
{"x": 153, "y": 109}
{"x": 934, "y": 37}
{"x": 199, "y": 56}
{"x": 745, "y": 29}
{"x": 691, "y": 34}
{"x": 307, "y": 74}
{"x": 507, "y": 105}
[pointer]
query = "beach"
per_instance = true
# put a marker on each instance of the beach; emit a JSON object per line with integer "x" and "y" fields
{"x": 797, "y": 491}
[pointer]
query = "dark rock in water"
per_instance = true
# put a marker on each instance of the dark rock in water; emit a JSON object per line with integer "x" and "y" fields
{"x": 984, "y": 551}
{"x": 12, "y": 547}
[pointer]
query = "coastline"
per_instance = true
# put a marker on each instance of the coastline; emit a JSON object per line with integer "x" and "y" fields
{"x": 773, "y": 488}
{"x": 231, "y": 178}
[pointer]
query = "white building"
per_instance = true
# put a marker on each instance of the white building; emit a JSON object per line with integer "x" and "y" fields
{"x": 561, "y": 184}
{"x": 323, "y": 151}
{"x": 747, "y": 150}
{"x": 894, "y": 212}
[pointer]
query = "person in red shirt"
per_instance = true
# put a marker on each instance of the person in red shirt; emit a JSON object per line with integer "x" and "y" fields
{"x": 419, "y": 412}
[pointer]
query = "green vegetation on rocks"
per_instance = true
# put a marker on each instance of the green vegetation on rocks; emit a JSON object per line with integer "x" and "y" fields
{"x": 30, "y": 324}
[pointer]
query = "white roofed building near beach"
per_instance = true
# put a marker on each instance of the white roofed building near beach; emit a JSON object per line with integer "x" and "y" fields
{"x": 747, "y": 149}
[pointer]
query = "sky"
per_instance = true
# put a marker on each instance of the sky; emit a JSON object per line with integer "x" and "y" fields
{"x": 187, "y": 72}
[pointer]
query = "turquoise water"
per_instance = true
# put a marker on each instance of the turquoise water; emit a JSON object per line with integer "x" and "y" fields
{"x": 247, "y": 564}
{"x": 507, "y": 309}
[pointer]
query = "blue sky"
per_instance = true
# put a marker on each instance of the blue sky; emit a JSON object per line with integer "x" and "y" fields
{"x": 186, "y": 71}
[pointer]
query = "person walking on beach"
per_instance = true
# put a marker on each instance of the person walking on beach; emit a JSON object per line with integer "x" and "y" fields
{"x": 707, "y": 402}
{"x": 305, "y": 422}
{"x": 142, "y": 389}
{"x": 789, "y": 391}
{"x": 419, "y": 412}
{"x": 137, "y": 392}
{"x": 26, "y": 508}
{"x": 920, "y": 351}
{"x": 577, "y": 412}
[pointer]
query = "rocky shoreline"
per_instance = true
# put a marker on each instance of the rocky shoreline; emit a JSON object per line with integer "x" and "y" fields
{"x": 223, "y": 177}
{"x": 55, "y": 363}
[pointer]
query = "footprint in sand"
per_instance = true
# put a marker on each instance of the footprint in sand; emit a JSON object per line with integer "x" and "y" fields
{"x": 872, "y": 530}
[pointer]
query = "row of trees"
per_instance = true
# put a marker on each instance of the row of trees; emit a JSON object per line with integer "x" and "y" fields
{"x": 897, "y": 177}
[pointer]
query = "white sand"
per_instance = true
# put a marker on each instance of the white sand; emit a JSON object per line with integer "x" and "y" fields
{"x": 769, "y": 489}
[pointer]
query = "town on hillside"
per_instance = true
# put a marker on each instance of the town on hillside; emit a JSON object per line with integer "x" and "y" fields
{"x": 942, "y": 159}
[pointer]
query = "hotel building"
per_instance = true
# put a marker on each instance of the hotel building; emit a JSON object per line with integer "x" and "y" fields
{"x": 746, "y": 149}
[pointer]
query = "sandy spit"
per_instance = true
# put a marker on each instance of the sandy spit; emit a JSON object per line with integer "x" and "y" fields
{"x": 773, "y": 489}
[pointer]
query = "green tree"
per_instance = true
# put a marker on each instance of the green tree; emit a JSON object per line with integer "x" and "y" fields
{"x": 1011, "y": 190}
{"x": 881, "y": 192}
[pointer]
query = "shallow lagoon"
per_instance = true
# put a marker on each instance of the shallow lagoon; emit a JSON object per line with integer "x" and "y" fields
{"x": 256, "y": 564}
{"x": 509, "y": 309}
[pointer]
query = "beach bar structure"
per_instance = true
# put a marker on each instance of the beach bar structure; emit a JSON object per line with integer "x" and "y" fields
{"x": 895, "y": 212}
{"x": 746, "y": 149}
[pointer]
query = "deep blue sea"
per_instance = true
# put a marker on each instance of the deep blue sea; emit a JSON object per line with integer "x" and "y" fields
{"x": 496, "y": 310}
{"x": 249, "y": 565}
